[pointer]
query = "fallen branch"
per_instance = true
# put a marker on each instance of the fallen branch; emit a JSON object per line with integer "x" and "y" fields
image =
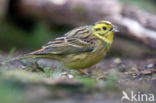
{"x": 134, "y": 23}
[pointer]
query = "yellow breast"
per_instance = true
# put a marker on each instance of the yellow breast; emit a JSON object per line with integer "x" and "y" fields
{"x": 85, "y": 60}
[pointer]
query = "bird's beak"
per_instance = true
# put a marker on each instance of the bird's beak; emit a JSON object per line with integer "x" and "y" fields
{"x": 115, "y": 29}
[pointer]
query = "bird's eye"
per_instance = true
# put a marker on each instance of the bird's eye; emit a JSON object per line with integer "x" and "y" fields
{"x": 104, "y": 28}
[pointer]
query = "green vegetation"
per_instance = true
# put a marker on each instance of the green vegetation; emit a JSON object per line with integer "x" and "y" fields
{"x": 34, "y": 39}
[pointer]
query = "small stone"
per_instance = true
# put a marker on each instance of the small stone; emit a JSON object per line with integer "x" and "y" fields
{"x": 150, "y": 65}
{"x": 117, "y": 60}
{"x": 70, "y": 76}
{"x": 134, "y": 69}
{"x": 66, "y": 75}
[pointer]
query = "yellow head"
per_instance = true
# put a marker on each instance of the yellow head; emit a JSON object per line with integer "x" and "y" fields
{"x": 104, "y": 30}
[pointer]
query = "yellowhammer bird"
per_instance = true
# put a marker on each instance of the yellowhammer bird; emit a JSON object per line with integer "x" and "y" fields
{"x": 81, "y": 47}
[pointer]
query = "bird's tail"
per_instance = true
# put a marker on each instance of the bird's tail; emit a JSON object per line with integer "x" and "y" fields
{"x": 20, "y": 58}
{"x": 35, "y": 54}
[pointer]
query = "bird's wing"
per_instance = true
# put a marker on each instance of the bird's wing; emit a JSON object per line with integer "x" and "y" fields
{"x": 75, "y": 41}
{"x": 78, "y": 31}
{"x": 66, "y": 45}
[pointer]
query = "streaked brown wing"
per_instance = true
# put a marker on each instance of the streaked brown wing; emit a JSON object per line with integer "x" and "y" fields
{"x": 65, "y": 45}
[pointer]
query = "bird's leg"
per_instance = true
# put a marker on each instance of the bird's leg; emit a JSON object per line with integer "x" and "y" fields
{"x": 32, "y": 64}
{"x": 83, "y": 72}
{"x": 37, "y": 66}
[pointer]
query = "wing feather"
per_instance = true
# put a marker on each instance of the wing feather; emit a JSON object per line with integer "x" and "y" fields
{"x": 68, "y": 44}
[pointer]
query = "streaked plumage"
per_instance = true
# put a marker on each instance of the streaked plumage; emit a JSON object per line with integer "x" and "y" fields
{"x": 81, "y": 47}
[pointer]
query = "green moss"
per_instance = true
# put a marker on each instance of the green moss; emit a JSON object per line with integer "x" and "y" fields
{"x": 13, "y": 36}
{"x": 9, "y": 93}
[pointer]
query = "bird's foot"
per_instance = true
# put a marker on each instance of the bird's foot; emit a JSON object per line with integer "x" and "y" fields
{"x": 83, "y": 72}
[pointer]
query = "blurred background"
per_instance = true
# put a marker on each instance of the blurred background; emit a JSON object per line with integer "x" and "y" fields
{"x": 27, "y": 25}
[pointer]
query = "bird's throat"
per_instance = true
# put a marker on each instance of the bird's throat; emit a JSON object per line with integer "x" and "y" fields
{"x": 108, "y": 38}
